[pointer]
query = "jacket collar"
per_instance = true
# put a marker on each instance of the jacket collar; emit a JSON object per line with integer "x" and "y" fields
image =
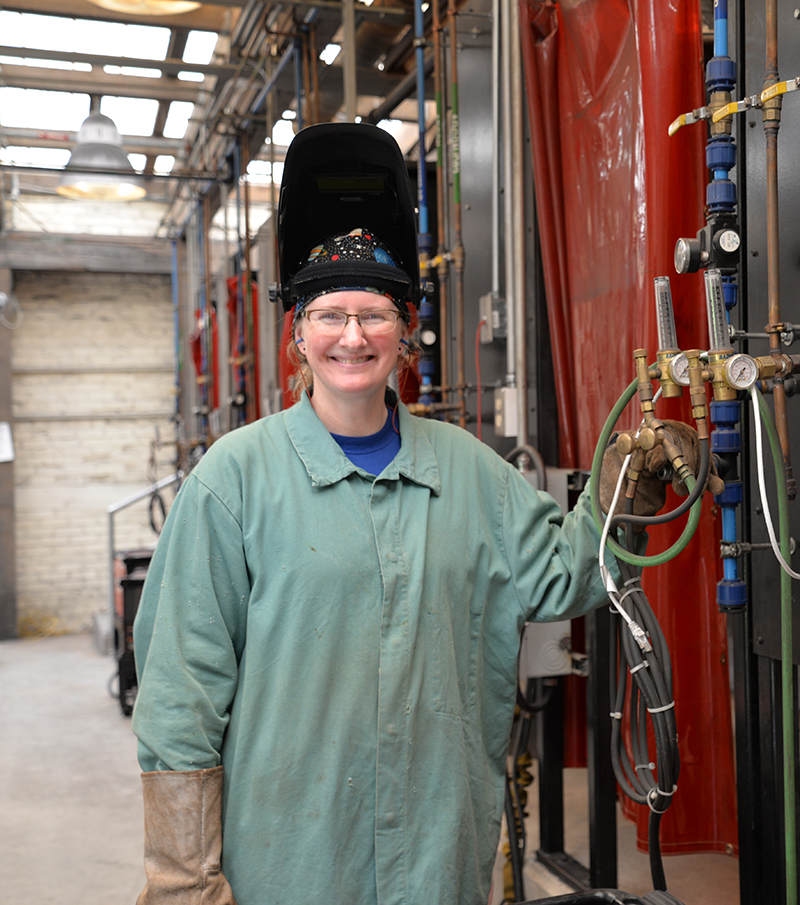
{"x": 326, "y": 463}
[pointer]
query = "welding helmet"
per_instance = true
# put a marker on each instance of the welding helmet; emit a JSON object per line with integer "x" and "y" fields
{"x": 337, "y": 176}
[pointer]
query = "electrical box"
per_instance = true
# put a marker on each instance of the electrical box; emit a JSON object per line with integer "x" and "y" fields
{"x": 505, "y": 412}
{"x": 546, "y": 650}
{"x": 493, "y": 314}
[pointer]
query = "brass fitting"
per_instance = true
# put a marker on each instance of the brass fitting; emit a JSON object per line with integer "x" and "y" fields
{"x": 716, "y": 367}
{"x": 697, "y": 392}
{"x": 424, "y": 264}
{"x": 645, "y": 387}
{"x": 717, "y": 100}
{"x": 771, "y": 109}
{"x": 673, "y": 451}
{"x": 628, "y": 441}
{"x": 668, "y": 386}
{"x": 458, "y": 258}
{"x": 634, "y": 472}
{"x": 769, "y": 366}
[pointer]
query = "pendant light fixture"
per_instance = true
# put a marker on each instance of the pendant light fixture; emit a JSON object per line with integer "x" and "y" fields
{"x": 99, "y": 168}
{"x": 147, "y": 7}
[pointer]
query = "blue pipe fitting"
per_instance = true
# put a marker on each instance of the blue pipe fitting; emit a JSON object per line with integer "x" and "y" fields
{"x": 721, "y": 153}
{"x": 721, "y": 74}
{"x": 724, "y": 413}
{"x": 731, "y": 595}
{"x": 730, "y": 292}
{"x": 726, "y": 440}
{"x": 721, "y": 195}
{"x": 732, "y": 495}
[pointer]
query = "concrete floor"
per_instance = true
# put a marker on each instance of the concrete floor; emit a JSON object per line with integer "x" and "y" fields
{"x": 70, "y": 800}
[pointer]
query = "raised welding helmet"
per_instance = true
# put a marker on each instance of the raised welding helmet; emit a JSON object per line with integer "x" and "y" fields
{"x": 336, "y": 177}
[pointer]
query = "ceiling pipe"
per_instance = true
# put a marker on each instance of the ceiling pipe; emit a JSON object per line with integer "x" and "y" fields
{"x": 349, "y": 60}
{"x": 400, "y": 93}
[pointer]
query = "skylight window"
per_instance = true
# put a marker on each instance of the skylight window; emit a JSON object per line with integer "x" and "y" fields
{"x": 146, "y": 42}
{"x": 55, "y": 158}
{"x": 282, "y": 133}
{"x": 178, "y": 119}
{"x": 29, "y": 108}
{"x": 200, "y": 46}
{"x": 163, "y": 164}
{"x": 329, "y": 53}
{"x": 259, "y": 172}
{"x": 131, "y": 115}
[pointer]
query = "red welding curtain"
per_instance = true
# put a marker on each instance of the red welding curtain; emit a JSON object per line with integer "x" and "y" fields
{"x": 614, "y": 192}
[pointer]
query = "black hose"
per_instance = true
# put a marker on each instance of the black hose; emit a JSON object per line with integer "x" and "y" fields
{"x": 651, "y": 703}
{"x": 685, "y": 506}
{"x": 513, "y": 845}
{"x": 157, "y": 502}
{"x": 654, "y": 845}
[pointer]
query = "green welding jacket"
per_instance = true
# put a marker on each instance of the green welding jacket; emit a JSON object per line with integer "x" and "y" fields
{"x": 346, "y": 646}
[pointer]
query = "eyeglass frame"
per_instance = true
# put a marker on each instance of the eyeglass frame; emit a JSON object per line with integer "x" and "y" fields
{"x": 347, "y": 315}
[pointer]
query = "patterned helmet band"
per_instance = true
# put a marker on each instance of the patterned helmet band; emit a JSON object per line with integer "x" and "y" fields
{"x": 356, "y": 261}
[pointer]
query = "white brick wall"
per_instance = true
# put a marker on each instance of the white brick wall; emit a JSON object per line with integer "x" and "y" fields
{"x": 92, "y": 380}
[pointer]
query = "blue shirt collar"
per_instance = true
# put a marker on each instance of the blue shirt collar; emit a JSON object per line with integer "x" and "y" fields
{"x": 326, "y": 463}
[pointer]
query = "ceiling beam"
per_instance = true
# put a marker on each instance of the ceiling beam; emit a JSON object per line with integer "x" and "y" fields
{"x": 168, "y": 66}
{"x": 133, "y": 144}
{"x": 89, "y": 83}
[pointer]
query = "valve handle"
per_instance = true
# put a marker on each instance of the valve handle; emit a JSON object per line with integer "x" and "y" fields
{"x": 687, "y": 119}
{"x": 779, "y": 88}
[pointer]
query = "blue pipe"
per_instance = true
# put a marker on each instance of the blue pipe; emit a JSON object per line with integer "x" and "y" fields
{"x": 422, "y": 176}
{"x": 721, "y": 28}
{"x": 721, "y": 199}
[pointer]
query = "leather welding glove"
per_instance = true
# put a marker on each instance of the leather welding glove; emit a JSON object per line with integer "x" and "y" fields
{"x": 651, "y": 492}
{"x": 183, "y": 839}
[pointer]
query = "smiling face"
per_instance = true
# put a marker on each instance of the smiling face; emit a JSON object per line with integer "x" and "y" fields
{"x": 353, "y": 366}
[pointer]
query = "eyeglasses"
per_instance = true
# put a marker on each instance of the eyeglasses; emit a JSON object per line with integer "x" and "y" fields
{"x": 333, "y": 321}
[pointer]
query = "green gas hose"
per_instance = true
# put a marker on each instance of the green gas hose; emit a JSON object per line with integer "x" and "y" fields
{"x": 594, "y": 488}
{"x": 787, "y": 686}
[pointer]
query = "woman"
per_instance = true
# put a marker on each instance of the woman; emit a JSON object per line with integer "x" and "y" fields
{"x": 327, "y": 641}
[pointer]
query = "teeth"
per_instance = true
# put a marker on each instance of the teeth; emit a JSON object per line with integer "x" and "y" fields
{"x": 351, "y": 361}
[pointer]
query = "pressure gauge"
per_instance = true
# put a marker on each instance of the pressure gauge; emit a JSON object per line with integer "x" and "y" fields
{"x": 741, "y": 371}
{"x": 729, "y": 240}
{"x": 687, "y": 255}
{"x": 679, "y": 369}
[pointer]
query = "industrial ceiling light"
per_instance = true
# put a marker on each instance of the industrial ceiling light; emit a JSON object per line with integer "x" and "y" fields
{"x": 99, "y": 168}
{"x": 147, "y": 7}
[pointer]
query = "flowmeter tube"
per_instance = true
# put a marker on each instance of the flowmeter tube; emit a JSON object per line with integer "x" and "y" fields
{"x": 668, "y": 348}
{"x": 665, "y": 318}
{"x": 718, "y": 335}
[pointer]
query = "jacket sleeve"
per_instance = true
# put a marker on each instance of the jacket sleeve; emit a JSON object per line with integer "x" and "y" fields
{"x": 553, "y": 559}
{"x": 189, "y": 633}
